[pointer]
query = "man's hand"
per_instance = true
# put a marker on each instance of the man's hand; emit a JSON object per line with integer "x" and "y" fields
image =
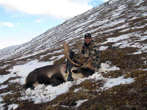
{"x": 88, "y": 64}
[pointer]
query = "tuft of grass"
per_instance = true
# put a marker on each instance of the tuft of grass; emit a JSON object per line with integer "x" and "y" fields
{"x": 4, "y": 71}
{"x": 50, "y": 107}
{"x": 137, "y": 74}
{"x": 122, "y": 58}
{"x": 113, "y": 74}
{"x": 15, "y": 95}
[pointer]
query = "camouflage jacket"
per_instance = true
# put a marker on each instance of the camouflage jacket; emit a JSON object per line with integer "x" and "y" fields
{"x": 91, "y": 51}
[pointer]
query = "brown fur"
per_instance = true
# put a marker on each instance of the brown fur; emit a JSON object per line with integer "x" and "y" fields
{"x": 54, "y": 75}
{"x": 51, "y": 74}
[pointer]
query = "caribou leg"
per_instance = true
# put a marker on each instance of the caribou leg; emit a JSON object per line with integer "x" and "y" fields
{"x": 69, "y": 66}
{"x": 69, "y": 78}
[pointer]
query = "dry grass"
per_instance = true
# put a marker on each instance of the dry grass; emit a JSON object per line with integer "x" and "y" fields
{"x": 123, "y": 97}
{"x": 123, "y": 58}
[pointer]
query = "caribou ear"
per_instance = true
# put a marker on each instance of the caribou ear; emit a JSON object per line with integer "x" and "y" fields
{"x": 66, "y": 53}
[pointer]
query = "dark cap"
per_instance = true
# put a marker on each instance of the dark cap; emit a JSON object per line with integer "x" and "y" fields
{"x": 87, "y": 35}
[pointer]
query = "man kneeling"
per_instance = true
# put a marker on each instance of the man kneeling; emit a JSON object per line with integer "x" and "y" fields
{"x": 89, "y": 52}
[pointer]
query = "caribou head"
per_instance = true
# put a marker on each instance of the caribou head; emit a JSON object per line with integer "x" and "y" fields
{"x": 81, "y": 61}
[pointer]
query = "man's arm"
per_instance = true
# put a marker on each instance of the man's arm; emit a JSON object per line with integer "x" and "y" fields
{"x": 95, "y": 57}
{"x": 82, "y": 50}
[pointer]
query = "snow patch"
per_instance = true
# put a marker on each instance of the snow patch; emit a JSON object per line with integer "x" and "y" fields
{"x": 78, "y": 89}
{"x": 3, "y": 86}
{"x": 25, "y": 69}
{"x": 4, "y": 66}
{"x": 44, "y": 93}
{"x": 1, "y": 100}
{"x": 111, "y": 82}
{"x": 4, "y": 78}
{"x": 6, "y": 93}
{"x": 105, "y": 67}
{"x": 116, "y": 39}
{"x": 143, "y": 49}
{"x": 139, "y": 2}
{"x": 80, "y": 102}
{"x": 12, "y": 106}
{"x": 103, "y": 48}
{"x": 112, "y": 1}
{"x": 2, "y": 106}
{"x": 145, "y": 69}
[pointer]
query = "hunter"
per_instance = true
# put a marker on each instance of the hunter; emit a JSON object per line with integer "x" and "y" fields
{"x": 89, "y": 51}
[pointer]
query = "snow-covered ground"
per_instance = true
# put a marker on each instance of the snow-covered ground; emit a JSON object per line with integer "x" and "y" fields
{"x": 47, "y": 93}
{"x": 111, "y": 82}
{"x": 80, "y": 102}
{"x": 92, "y": 21}
{"x": 44, "y": 93}
{"x": 4, "y": 78}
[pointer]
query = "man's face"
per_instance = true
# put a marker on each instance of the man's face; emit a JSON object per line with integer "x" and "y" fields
{"x": 87, "y": 40}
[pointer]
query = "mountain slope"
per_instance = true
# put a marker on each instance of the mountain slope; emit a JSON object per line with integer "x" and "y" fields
{"x": 114, "y": 18}
{"x": 119, "y": 28}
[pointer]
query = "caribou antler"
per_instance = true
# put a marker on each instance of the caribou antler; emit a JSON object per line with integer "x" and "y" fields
{"x": 66, "y": 53}
{"x": 83, "y": 64}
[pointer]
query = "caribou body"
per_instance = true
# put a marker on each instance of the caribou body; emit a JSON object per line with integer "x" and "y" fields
{"x": 55, "y": 74}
